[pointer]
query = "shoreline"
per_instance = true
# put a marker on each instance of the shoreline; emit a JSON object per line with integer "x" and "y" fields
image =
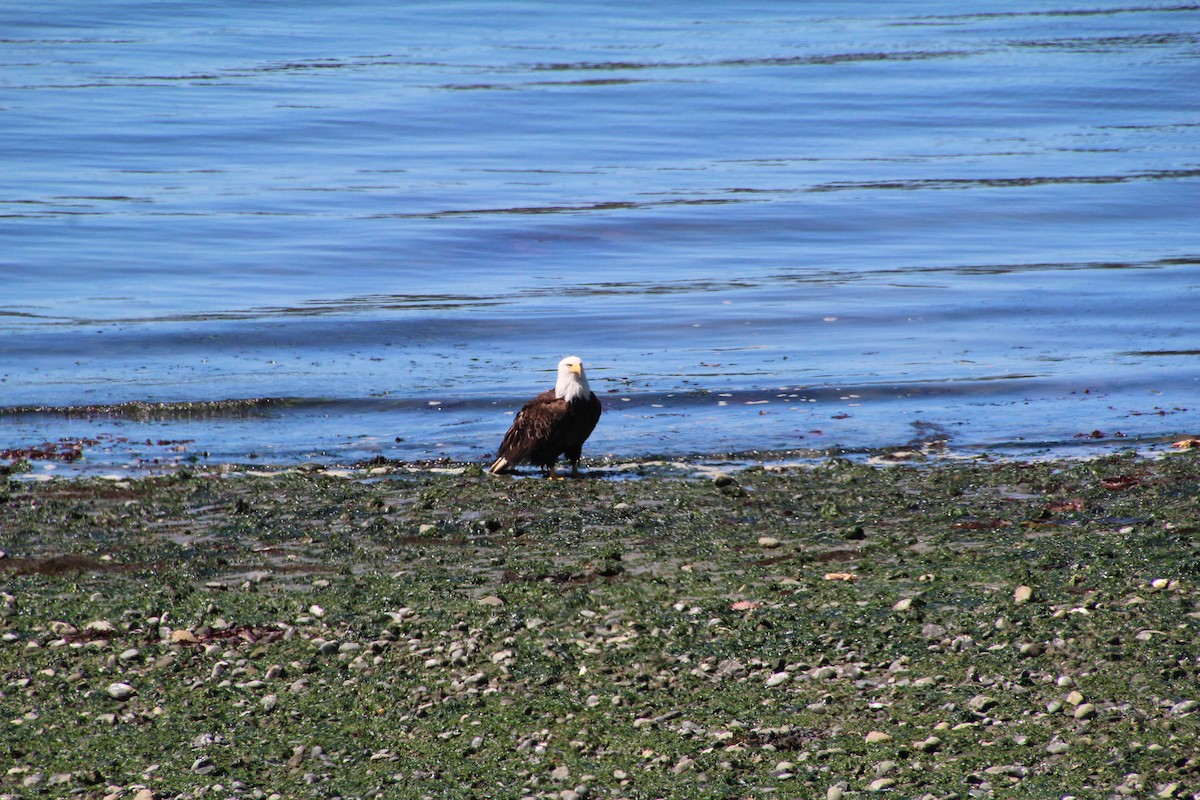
{"x": 834, "y": 629}
{"x": 68, "y": 459}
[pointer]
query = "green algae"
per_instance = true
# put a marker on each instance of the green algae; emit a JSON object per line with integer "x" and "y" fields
{"x": 432, "y": 635}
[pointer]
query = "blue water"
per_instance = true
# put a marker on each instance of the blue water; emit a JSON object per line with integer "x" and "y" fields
{"x": 329, "y": 231}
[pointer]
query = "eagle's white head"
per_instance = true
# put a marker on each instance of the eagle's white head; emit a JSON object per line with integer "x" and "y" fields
{"x": 572, "y": 382}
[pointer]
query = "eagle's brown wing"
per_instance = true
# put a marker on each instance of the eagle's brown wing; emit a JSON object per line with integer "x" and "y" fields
{"x": 536, "y": 431}
{"x": 585, "y": 414}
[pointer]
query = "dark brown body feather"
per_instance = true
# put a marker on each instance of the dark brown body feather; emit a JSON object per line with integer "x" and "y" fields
{"x": 547, "y": 427}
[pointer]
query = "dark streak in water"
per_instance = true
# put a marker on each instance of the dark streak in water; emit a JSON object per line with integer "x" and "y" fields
{"x": 1082, "y": 12}
{"x": 575, "y": 209}
{"x": 689, "y": 399}
{"x": 1106, "y": 43}
{"x": 784, "y": 61}
{"x": 358, "y": 304}
{"x": 1157, "y": 353}
{"x": 972, "y": 183}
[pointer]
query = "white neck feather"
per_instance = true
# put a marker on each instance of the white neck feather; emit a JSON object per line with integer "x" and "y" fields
{"x": 571, "y": 386}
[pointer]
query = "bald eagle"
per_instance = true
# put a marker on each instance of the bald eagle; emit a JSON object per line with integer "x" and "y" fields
{"x": 558, "y": 421}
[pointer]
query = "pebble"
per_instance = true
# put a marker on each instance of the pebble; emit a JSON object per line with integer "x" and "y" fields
{"x": 183, "y": 636}
{"x": 881, "y": 784}
{"x": 1010, "y": 770}
{"x": 1085, "y": 711}
{"x": 877, "y": 737}
{"x": 1023, "y": 594}
{"x": 685, "y": 764}
{"x": 930, "y": 745}
{"x": 768, "y": 542}
{"x": 1186, "y": 707}
{"x": 981, "y": 702}
{"x": 1075, "y": 698}
{"x": 100, "y": 626}
{"x": 490, "y": 600}
{"x": 204, "y": 766}
{"x": 779, "y": 678}
{"x": 120, "y": 691}
{"x": 1057, "y": 747}
{"x": 560, "y": 773}
{"x": 730, "y": 668}
{"x": 834, "y": 793}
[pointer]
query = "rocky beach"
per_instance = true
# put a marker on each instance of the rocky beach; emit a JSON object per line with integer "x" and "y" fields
{"x": 949, "y": 630}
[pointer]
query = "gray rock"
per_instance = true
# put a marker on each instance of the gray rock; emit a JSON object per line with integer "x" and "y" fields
{"x": 778, "y": 679}
{"x": 685, "y": 764}
{"x": 1057, "y": 747}
{"x": 981, "y": 702}
{"x": 204, "y": 766}
{"x": 929, "y": 745}
{"x": 120, "y": 691}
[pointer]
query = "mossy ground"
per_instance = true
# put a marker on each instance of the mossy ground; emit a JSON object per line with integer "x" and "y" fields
{"x": 425, "y": 635}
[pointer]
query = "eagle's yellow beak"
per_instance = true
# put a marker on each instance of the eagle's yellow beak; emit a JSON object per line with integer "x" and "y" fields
{"x": 576, "y": 368}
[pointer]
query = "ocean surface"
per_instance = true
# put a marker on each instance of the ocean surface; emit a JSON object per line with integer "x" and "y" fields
{"x": 328, "y": 231}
